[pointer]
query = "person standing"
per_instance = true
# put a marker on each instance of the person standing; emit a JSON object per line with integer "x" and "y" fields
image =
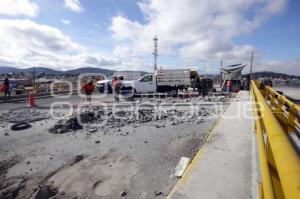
{"x": 116, "y": 85}
{"x": 200, "y": 85}
{"x": 6, "y": 89}
{"x": 229, "y": 87}
{"x": 88, "y": 89}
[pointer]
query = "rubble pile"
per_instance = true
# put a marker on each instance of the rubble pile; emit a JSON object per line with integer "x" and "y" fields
{"x": 72, "y": 122}
{"x": 193, "y": 100}
{"x": 110, "y": 120}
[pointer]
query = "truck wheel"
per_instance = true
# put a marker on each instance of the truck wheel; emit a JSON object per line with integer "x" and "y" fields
{"x": 174, "y": 92}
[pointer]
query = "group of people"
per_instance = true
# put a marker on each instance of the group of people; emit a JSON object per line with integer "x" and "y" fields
{"x": 88, "y": 88}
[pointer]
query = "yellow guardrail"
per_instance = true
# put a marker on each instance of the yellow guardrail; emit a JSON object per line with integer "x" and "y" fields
{"x": 275, "y": 118}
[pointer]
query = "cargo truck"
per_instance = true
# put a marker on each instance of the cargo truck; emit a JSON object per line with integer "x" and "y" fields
{"x": 162, "y": 81}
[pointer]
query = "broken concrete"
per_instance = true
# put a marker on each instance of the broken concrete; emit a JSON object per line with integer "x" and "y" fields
{"x": 111, "y": 121}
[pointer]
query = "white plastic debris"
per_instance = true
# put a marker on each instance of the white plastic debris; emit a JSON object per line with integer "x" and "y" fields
{"x": 180, "y": 168}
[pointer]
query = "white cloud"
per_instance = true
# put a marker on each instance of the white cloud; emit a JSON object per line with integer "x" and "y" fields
{"x": 66, "y": 22}
{"x": 26, "y": 43}
{"x": 200, "y": 32}
{"x": 74, "y": 5}
{"x": 18, "y": 7}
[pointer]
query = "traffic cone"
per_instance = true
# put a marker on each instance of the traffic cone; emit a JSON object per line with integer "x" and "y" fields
{"x": 31, "y": 102}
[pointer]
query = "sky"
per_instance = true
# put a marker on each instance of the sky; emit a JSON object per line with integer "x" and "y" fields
{"x": 118, "y": 34}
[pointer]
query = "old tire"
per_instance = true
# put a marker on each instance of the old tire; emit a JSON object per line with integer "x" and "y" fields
{"x": 20, "y": 126}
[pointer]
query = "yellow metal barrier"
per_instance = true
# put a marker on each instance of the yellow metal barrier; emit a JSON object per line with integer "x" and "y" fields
{"x": 279, "y": 161}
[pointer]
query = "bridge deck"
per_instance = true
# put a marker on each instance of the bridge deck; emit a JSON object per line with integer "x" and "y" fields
{"x": 226, "y": 166}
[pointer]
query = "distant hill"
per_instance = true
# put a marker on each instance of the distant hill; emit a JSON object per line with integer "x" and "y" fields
{"x": 79, "y": 71}
{"x": 48, "y": 71}
{"x": 270, "y": 74}
{"x": 6, "y": 69}
{"x": 108, "y": 72}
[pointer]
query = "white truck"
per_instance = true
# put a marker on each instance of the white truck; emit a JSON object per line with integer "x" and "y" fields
{"x": 162, "y": 81}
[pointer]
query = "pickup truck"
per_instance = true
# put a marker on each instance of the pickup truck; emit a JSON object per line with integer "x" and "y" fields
{"x": 162, "y": 81}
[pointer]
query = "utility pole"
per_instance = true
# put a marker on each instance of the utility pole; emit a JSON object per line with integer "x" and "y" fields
{"x": 155, "y": 52}
{"x": 221, "y": 73}
{"x": 251, "y": 65}
{"x": 34, "y": 77}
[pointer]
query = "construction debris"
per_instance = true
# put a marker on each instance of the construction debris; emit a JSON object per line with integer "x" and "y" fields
{"x": 111, "y": 121}
{"x": 180, "y": 168}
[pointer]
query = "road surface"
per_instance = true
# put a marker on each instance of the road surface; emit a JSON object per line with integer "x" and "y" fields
{"x": 46, "y": 102}
{"x": 130, "y": 156}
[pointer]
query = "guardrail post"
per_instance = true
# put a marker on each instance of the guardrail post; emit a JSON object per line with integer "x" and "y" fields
{"x": 291, "y": 119}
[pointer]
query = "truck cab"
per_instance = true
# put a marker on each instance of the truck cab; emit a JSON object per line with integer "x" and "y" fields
{"x": 145, "y": 84}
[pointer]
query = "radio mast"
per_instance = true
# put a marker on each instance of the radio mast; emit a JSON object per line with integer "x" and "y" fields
{"x": 155, "y": 52}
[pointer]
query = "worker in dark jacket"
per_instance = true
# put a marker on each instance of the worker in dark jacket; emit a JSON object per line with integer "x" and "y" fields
{"x": 6, "y": 89}
{"x": 200, "y": 86}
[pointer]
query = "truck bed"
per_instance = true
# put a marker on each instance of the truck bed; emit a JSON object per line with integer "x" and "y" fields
{"x": 173, "y": 77}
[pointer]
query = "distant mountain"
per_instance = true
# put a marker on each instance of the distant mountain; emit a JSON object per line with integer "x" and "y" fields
{"x": 270, "y": 74}
{"x": 6, "y": 69}
{"x": 48, "y": 71}
{"x": 79, "y": 71}
{"x": 108, "y": 72}
{"x": 43, "y": 70}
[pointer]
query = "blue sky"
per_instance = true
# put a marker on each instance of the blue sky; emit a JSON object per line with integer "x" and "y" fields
{"x": 117, "y": 34}
{"x": 278, "y": 37}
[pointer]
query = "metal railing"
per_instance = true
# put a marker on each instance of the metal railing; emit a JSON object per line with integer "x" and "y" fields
{"x": 275, "y": 119}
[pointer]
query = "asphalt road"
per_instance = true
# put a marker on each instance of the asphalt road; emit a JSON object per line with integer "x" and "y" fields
{"x": 47, "y": 102}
